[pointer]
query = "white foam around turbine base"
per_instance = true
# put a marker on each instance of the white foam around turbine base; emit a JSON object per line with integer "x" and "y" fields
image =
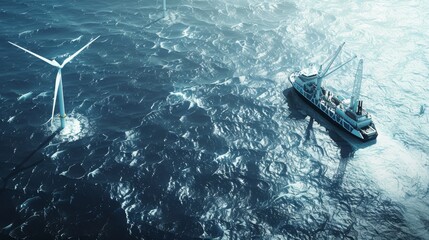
{"x": 76, "y": 127}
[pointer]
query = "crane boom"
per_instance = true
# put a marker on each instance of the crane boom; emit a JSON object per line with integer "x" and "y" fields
{"x": 321, "y": 74}
{"x": 339, "y": 66}
{"x": 356, "y": 87}
{"x": 333, "y": 57}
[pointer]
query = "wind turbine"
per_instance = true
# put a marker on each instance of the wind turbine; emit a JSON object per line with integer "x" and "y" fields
{"x": 58, "y": 82}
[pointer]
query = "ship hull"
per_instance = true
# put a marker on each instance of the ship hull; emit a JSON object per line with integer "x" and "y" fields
{"x": 355, "y": 132}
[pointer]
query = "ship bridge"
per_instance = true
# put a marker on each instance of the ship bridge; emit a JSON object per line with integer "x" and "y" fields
{"x": 308, "y": 73}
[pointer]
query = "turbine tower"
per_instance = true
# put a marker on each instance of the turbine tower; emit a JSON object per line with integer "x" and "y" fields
{"x": 58, "y": 91}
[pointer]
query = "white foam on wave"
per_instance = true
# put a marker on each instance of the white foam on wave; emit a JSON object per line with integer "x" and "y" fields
{"x": 131, "y": 135}
{"x": 24, "y": 33}
{"x": 11, "y": 119}
{"x": 25, "y": 96}
{"x": 76, "y": 39}
{"x": 56, "y": 155}
{"x": 191, "y": 98}
{"x": 94, "y": 173}
{"x": 41, "y": 95}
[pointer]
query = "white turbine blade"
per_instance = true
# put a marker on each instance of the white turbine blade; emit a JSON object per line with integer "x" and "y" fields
{"x": 51, "y": 62}
{"x": 76, "y": 53}
{"x": 57, "y": 83}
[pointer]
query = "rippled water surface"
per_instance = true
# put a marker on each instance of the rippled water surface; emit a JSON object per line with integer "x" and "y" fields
{"x": 186, "y": 126}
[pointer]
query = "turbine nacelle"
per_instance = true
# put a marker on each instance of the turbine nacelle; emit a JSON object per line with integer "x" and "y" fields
{"x": 56, "y": 63}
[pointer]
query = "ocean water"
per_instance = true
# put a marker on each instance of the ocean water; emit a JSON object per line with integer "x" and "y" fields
{"x": 186, "y": 127}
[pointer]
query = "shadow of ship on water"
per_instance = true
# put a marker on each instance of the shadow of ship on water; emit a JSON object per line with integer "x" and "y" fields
{"x": 346, "y": 143}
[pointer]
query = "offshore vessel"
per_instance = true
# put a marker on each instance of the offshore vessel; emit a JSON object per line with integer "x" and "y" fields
{"x": 347, "y": 113}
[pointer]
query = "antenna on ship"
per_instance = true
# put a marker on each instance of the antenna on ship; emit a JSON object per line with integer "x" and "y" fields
{"x": 355, "y": 104}
{"x": 324, "y": 72}
{"x": 164, "y": 7}
{"x": 58, "y": 82}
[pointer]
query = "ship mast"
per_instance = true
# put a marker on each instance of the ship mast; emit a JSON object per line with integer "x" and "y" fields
{"x": 354, "y": 102}
{"x": 321, "y": 74}
{"x": 324, "y": 73}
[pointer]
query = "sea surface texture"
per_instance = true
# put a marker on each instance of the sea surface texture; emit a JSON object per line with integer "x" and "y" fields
{"x": 186, "y": 127}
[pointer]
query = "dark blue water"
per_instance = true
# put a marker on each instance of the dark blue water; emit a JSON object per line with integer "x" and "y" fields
{"x": 186, "y": 127}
